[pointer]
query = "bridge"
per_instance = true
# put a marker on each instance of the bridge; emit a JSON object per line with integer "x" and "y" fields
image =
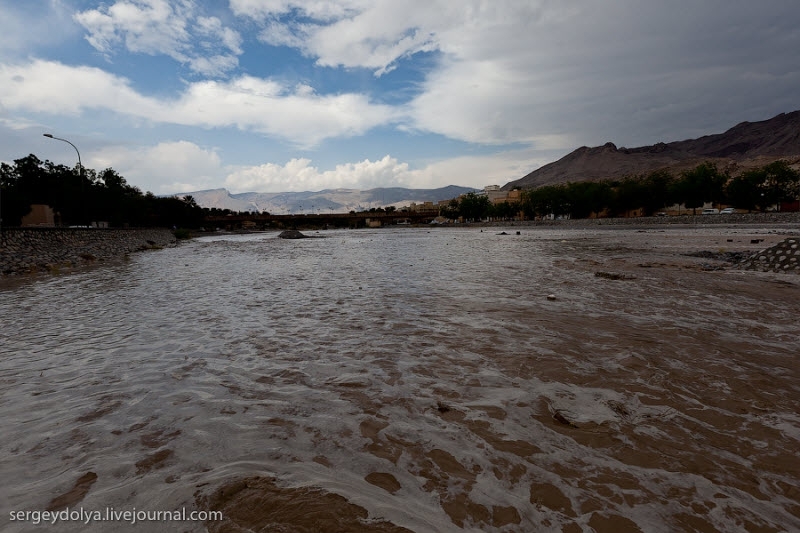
{"x": 319, "y": 220}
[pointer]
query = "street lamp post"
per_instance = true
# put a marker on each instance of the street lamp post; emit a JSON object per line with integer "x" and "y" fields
{"x": 80, "y": 173}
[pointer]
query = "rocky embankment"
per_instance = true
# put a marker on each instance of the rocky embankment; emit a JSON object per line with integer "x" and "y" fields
{"x": 24, "y": 250}
{"x": 739, "y": 218}
{"x": 783, "y": 257}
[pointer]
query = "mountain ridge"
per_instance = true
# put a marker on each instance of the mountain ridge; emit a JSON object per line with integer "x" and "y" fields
{"x": 745, "y": 145}
{"x": 334, "y": 200}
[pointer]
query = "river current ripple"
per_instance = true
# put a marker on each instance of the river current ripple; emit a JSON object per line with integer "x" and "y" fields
{"x": 423, "y": 375}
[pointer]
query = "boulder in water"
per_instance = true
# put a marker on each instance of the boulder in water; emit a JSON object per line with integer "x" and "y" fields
{"x": 292, "y": 234}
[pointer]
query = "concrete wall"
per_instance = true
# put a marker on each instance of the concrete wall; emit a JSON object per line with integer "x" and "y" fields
{"x": 33, "y": 249}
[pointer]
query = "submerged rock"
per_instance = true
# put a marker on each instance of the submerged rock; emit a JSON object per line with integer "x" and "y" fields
{"x": 292, "y": 234}
{"x": 614, "y": 276}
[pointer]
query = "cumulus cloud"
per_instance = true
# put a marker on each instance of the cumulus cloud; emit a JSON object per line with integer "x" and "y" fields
{"x": 158, "y": 27}
{"x": 268, "y": 107}
{"x": 51, "y": 87}
{"x": 165, "y": 168}
{"x": 472, "y": 171}
{"x": 300, "y": 175}
{"x": 181, "y": 166}
{"x": 296, "y": 114}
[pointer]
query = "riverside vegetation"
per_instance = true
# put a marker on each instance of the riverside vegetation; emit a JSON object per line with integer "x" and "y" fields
{"x": 80, "y": 195}
{"x": 755, "y": 189}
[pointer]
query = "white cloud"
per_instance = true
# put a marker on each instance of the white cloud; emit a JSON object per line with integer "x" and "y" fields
{"x": 351, "y": 34}
{"x": 145, "y": 26}
{"x": 322, "y": 10}
{"x": 268, "y": 107}
{"x": 478, "y": 171}
{"x": 516, "y": 70}
{"x": 162, "y": 169}
{"x": 300, "y": 175}
{"x": 158, "y": 27}
{"x": 212, "y": 28}
{"x": 214, "y": 65}
{"x": 296, "y": 114}
{"x": 546, "y": 74}
{"x": 181, "y": 166}
{"x": 52, "y": 87}
{"x": 495, "y": 76}
{"x": 277, "y": 34}
{"x": 376, "y": 34}
{"x": 472, "y": 171}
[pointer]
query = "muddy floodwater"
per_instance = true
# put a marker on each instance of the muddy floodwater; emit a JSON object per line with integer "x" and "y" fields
{"x": 425, "y": 380}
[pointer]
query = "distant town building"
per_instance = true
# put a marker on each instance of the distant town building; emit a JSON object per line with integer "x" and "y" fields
{"x": 425, "y": 207}
{"x": 496, "y": 196}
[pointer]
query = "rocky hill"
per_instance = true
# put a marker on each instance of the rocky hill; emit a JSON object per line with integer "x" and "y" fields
{"x": 745, "y": 145}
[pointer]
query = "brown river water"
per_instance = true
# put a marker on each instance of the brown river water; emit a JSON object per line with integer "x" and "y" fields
{"x": 409, "y": 380}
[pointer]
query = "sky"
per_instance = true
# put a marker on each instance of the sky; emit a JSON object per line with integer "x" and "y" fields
{"x": 289, "y": 95}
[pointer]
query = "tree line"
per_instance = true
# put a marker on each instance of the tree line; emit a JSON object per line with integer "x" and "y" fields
{"x": 81, "y": 195}
{"x": 757, "y": 188}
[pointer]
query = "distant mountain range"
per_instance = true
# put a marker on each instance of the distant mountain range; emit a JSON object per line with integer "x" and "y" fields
{"x": 330, "y": 200}
{"x": 744, "y": 146}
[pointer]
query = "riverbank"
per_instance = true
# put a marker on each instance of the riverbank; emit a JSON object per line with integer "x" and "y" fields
{"x": 677, "y": 220}
{"x": 29, "y": 250}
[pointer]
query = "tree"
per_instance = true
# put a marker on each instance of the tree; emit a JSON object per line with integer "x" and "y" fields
{"x": 80, "y": 195}
{"x": 702, "y": 184}
{"x": 764, "y": 186}
{"x": 780, "y": 182}
{"x": 15, "y": 200}
{"x": 656, "y": 191}
{"x": 450, "y": 210}
{"x": 474, "y": 207}
{"x": 629, "y": 194}
{"x": 744, "y": 191}
{"x": 546, "y": 200}
{"x": 587, "y": 197}
{"x": 504, "y": 210}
